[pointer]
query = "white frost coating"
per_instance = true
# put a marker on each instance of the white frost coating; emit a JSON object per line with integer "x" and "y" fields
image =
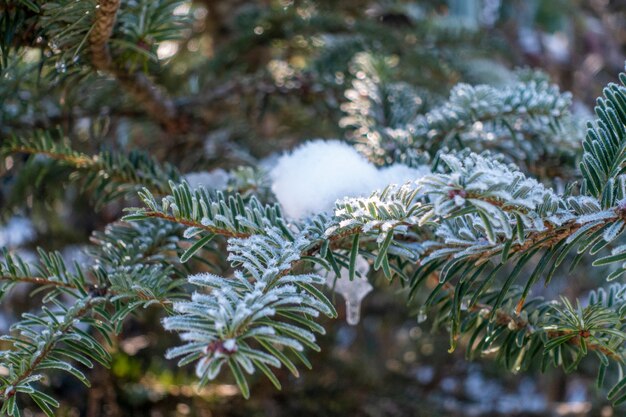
{"x": 16, "y": 232}
{"x": 230, "y": 344}
{"x": 213, "y": 180}
{"x": 316, "y": 174}
{"x": 353, "y": 292}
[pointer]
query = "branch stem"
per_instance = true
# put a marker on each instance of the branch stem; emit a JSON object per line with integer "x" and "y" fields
{"x": 157, "y": 104}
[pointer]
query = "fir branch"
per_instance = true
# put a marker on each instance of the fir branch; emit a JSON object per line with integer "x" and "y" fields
{"x": 604, "y": 160}
{"x": 109, "y": 175}
{"x": 65, "y": 327}
{"x": 490, "y": 195}
{"x": 525, "y": 120}
{"x": 213, "y": 211}
{"x": 516, "y": 322}
{"x": 468, "y": 221}
{"x": 130, "y": 271}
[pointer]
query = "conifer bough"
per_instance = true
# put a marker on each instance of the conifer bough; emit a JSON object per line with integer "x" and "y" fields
{"x": 468, "y": 242}
{"x": 457, "y": 227}
{"x": 465, "y": 223}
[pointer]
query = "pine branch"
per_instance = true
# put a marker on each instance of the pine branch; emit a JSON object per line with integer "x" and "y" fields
{"x": 604, "y": 161}
{"x": 109, "y": 175}
{"x": 515, "y": 322}
{"x": 131, "y": 271}
{"x": 508, "y": 213}
{"x": 66, "y": 326}
{"x": 467, "y": 222}
{"x": 526, "y": 120}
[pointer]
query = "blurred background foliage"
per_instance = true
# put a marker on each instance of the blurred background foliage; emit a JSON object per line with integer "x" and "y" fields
{"x": 233, "y": 83}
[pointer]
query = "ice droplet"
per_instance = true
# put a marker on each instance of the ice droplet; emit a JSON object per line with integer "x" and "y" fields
{"x": 60, "y": 66}
{"x": 421, "y": 315}
{"x": 353, "y": 291}
{"x": 54, "y": 47}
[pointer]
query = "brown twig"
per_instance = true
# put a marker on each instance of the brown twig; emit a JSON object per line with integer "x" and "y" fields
{"x": 78, "y": 160}
{"x": 45, "y": 281}
{"x": 190, "y": 223}
{"x": 38, "y": 281}
{"x": 101, "y": 33}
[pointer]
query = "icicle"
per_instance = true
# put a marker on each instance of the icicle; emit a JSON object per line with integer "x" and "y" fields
{"x": 353, "y": 291}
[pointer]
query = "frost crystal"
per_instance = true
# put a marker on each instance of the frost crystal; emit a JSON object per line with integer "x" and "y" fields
{"x": 315, "y": 175}
{"x": 353, "y": 291}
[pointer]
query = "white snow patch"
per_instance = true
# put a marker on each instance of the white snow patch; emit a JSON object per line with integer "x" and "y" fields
{"x": 315, "y": 175}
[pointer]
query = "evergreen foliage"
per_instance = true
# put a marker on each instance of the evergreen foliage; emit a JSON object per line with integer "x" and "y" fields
{"x": 244, "y": 285}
